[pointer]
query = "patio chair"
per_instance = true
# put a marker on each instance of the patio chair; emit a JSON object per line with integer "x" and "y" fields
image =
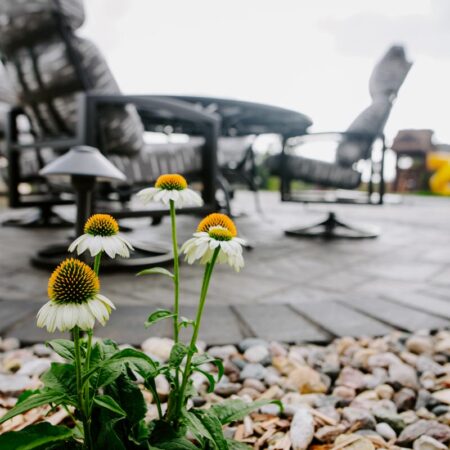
{"x": 69, "y": 96}
{"x": 354, "y": 145}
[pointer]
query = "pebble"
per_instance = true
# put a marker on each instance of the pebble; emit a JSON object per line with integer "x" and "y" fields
{"x": 14, "y": 384}
{"x": 254, "y": 384}
{"x": 385, "y": 431}
{"x": 306, "y": 380}
{"x": 257, "y": 353}
{"x": 405, "y": 399}
{"x": 358, "y": 418}
{"x": 351, "y": 378}
{"x": 353, "y": 442}
{"x": 329, "y": 433}
{"x": 42, "y": 350}
{"x": 419, "y": 344}
{"x": 428, "y": 443}
{"x": 9, "y": 344}
{"x": 223, "y": 352}
{"x": 442, "y": 396}
{"x": 302, "y": 429}
{"x": 159, "y": 347}
{"x": 256, "y": 371}
{"x": 226, "y": 389}
{"x": 34, "y": 367}
{"x": 384, "y": 391}
{"x": 344, "y": 393}
{"x": 403, "y": 375}
{"x": 251, "y": 342}
{"x": 395, "y": 421}
{"x": 431, "y": 428}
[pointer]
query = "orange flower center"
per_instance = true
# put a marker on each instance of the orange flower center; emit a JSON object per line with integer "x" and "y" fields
{"x": 171, "y": 182}
{"x": 101, "y": 225}
{"x": 73, "y": 281}
{"x": 217, "y": 220}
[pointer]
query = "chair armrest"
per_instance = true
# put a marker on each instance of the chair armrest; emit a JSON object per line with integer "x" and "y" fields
{"x": 333, "y": 135}
{"x": 164, "y": 106}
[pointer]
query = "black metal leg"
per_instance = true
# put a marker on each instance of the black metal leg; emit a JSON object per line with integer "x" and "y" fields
{"x": 332, "y": 228}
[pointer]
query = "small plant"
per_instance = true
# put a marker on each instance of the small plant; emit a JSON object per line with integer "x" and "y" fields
{"x": 97, "y": 384}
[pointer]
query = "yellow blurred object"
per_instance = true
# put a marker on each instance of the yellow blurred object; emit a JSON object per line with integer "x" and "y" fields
{"x": 440, "y": 180}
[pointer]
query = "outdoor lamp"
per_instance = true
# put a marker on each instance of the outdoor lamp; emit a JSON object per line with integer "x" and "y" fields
{"x": 85, "y": 165}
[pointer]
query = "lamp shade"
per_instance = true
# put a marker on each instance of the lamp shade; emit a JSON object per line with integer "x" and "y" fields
{"x": 83, "y": 161}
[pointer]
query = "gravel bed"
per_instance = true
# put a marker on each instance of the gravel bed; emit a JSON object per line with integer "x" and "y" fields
{"x": 360, "y": 394}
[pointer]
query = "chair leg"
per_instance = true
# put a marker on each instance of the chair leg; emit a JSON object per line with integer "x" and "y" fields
{"x": 44, "y": 217}
{"x": 332, "y": 228}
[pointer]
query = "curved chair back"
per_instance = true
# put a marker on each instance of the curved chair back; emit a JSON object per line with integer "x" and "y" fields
{"x": 386, "y": 79}
{"x": 49, "y": 65}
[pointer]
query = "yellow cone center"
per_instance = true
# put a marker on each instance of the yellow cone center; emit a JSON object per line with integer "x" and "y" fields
{"x": 171, "y": 182}
{"x": 220, "y": 234}
{"x": 73, "y": 281}
{"x": 217, "y": 220}
{"x": 101, "y": 225}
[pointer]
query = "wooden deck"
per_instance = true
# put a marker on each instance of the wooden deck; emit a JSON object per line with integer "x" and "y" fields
{"x": 290, "y": 290}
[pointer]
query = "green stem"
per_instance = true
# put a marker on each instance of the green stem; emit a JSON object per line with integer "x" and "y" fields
{"x": 87, "y": 435}
{"x": 97, "y": 260}
{"x": 90, "y": 333}
{"x": 192, "y": 346}
{"x": 176, "y": 273}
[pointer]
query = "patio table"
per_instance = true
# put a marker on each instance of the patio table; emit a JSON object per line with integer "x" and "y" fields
{"x": 242, "y": 118}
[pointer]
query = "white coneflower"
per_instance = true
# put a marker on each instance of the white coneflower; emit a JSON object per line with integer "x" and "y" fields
{"x": 170, "y": 187}
{"x": 101, "y": 234}
{"x": 73, "y": 289}
{"x": 215, "y": 230}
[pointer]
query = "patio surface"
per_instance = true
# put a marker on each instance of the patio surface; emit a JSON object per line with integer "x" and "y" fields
{"x": 291, "y": 289}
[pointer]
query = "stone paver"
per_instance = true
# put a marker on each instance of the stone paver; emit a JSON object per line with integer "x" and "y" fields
{"x": 301, "y": 276}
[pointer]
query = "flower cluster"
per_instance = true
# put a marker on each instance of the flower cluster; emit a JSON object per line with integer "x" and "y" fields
{"x": 98, "y": 376}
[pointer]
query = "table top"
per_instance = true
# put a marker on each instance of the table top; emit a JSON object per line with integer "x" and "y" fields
{"x": 241, "y": 118}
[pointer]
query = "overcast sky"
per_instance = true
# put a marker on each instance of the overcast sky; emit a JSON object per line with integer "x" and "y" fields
{"x": 312, "y": 56}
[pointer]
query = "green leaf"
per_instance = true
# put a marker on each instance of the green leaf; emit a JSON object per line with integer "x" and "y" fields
{"x": 33, "y": 401}
{"x": 204, "y": 358}
{"x": 107, "y": 402}
{"x": 159, "y": 315}
{"x": 176, "y": 444}
{"x": 25, "y": 394}
{"x": 34, "y": 436}
{"x": 177, "y": 354}
{"x": 184, "y": 323}
{"x": 209, "y": 377}
{"x": 212, "y": 424}
{"x": 129, "y": 396}
{"x": 61, "y": 378}
{"x": 231, "y": 410}
{"x": 236, "y": 445}
{"x": 63, "y": 347}
{"x": 109, "y": 369}
{"x": 157, "y": 270}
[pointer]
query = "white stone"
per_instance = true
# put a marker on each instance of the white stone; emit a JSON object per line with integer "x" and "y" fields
{"x": 34, "y": 367}
{"x": 160, "y": 347}
{"x": 302, "y": 429}
{"x": 428, "y": 443}
{"x": 223, "y": 351}
{"x": 256, "y": 353}
{"x": 385, "y": 431}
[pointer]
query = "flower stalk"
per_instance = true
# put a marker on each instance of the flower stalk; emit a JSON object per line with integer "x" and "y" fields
{"x": 176, "y": 272}
{"x": 198, "y": 319}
